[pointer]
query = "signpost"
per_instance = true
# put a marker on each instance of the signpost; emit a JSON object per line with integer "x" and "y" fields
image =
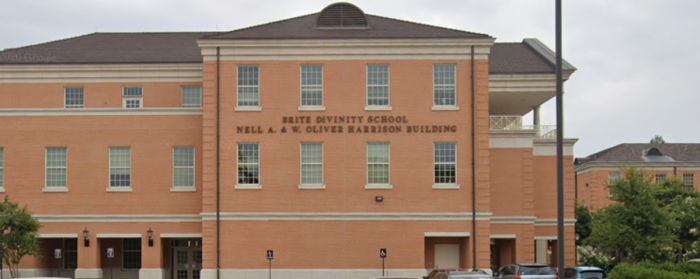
{"x": 110, "y": 255}
{"x": 382, "y": 254}
{"x": 270, "y": 256}
{"x": 57, "y": 256}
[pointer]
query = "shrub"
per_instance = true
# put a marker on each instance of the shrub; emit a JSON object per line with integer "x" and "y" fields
{"x": 654, "y": 270}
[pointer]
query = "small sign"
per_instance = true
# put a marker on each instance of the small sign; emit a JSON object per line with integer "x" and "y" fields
{"x": 269, "y": 254}
{"x": 57, "y": 253}
{"x": 110, "y": 253}
{"x": 382, "y": 253}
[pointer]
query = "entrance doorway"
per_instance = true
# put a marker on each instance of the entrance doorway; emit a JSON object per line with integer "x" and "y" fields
{"x": 187, "y": 258}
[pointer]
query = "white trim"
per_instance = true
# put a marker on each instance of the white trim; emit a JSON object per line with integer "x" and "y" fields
{"x": 553, "y": 222}
{"x": 388, "y": 88}
{"x": 88, "y": 273}
{"x": 183, "y": 189}
{"x": 118, "y": 235}
{"x": 346, "y": 216}
{"x": 55, "y": 189}
{"x": 181, "y": 235}
{"x": 388, "y": 155}
{"x": 301, "y": 164}
{"x": 446, "y": 234}
{"x": 65, "y": 93}
{"x": 2, "y": 189}
{"x": 311, "y": 108}
{"x": 101, "y": 73}
{"x": 548, "y": 147}
{"x": 379, "y": 186}
{"x": 182, "y": 92}
{"x": 312, "y": 186}
{"x": 511, "y": 138}
{"x": 445, "y": 107}
{"x": 248, "y": 108}
{"x": 504, "y": 236}
{"x": 57, "y": 235}
{"x": 99, "y": 111}
{"x": 546, "y": 237}
{"x": 120, "y": 189}
{"x": 192, "y": 188}
{"x": 46, "y": 170}
{"x": 378, "y": 108}
{"x": 151, "y": 273}
{"x": 513, "y": 219}
{"x": 117, "y": 218}
{"x": 445, "y": 186}
{"x": 301, "y": 90}
{"x": 657, "y": 166}
{"x": 248, "y": 186}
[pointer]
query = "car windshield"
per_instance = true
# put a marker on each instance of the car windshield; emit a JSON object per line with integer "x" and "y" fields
{"x": 469, "y": 276}
{"x": 594, "y": 274}
{"x": 536, "y": 270}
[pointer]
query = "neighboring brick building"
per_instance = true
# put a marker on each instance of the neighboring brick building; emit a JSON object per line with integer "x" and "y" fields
{"x": 595, "y": 172}
{"x": 324, "y": 137}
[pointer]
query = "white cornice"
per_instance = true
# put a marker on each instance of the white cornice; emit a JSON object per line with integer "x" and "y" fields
{"x": 524, "y": 82}
{"x": 553, "y": 222}
{"x": 178, "y": 72}
{"x": 608, "y": 165}
{"x": 513, "y": 219}
{"x": 98, "y": 111}
{"x": 57, "y": 235}
{"x": 548, "y": 147}
{"x": 116, "y": 218}
{"x": 511, "y": 138}
{"x": 345, "y": 49}
{"x": 446, "y": 234}
{"x": 347, "y": 216}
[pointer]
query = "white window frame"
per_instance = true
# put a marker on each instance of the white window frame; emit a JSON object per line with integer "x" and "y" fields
{"x": 303, "y": 185}
{"x": 125, "y": 98}
{"x": 612, "y": 178}
{"x": 190, "y": 188}
{"x": 65, "y": 97}
{"x": 111, "y": 188}
{"x": 301, "y": 91}
{"x": 658, "y": 177}
{"x": 388, "y": 163}
{"x": 446, "y": 185}
{"x": 432, "y": 96}
{"x": 182, "y": 97}
{"x": 2, "y": 169}
{"x": 257, "y": 186}
{"x": 368, "y": 106}
{"x": 688, "y": 180}
{"x": 48, "y": 188}
{"x": 240, "y": 107}
{"x": 124, "y": 254}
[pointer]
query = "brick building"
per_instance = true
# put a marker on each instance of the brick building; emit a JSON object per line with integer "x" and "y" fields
{"x": 595, "y": 172}
{"x": 324, "y": 137}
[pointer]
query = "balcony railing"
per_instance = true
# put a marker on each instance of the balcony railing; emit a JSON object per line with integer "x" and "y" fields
{"x": 515, "y": 122}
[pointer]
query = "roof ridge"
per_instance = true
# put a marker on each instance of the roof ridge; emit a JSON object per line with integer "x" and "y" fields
{"x": 159, "y": 32}
{"x": 430, "y": 25}
{"x": 258, "y": 25}
{"x": 49, "y": 42}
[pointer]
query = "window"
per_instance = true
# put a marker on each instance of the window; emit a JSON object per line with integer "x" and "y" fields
{"x": 56, "y": 167}
{"x": 613, "y": 176}
{"x": 660, "y": 177}
{"x": 311, "y": 85}
{"x": 2, "y": 168}
{"x": 70, "y": 253}
{"x": 73, "y": 97}
{"x": 378, "y": 163}
{"x": 312, "y": 163}
{"x": 689, "y": 180}
{"x": 445, "y": 163}
{"x": 248, "y": 86}
{"x": 191, "y": 96}
{"x": 132, "y": 253}
{"x": 183, "y": 166}
{"x": 249, "y": 163}
{"x": 133, "y": 97}
{"x": 120, "y": 167}
{"x": 444, "y": 85}
{"x": 377, "y": 85}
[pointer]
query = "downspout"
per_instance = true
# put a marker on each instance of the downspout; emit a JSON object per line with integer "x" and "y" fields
{"x": 218, "y": 154}
{"x": 473, "y": 164}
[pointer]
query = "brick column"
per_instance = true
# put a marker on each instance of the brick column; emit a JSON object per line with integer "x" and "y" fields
{"x": 151, "y": 258}
{"x": 89, "y": 258}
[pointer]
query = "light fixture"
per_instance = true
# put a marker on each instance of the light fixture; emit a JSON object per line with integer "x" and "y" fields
{"x": 379, "y": 198}
{"x": 86, "y": 241}
{"x": 149, "y": 232}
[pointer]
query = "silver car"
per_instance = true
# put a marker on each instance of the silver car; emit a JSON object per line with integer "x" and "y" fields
{"x": 471, "y": 274}
{"x": 526, "y": 271}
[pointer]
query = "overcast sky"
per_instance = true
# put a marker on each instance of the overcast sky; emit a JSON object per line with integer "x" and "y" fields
{"x": 637, "y": 60}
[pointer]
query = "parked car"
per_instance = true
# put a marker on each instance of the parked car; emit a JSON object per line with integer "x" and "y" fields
{"x": 526, "y": 271}
{"x": 584, "y": 272}
{"x": 433, "y": 274}
{"x": 471, "y": 274}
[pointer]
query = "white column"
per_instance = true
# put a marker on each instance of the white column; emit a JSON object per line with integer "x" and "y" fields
{"x": 541, "y": 251}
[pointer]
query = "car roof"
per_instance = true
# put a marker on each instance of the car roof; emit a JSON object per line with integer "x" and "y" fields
{"x": 530, "y": 264}
{"x": 586, "y": 268}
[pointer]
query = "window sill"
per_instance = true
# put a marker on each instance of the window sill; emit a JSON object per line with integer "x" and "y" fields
{"x": 312, "y": 108}
{"x": 445, "y": 186}
{"x": 378, "y": 108}
{"x": 436, "y": 107}
{"x": 120, "y": 189}
{"x": 55, "y": 190}
{"x": 2, "y": 189}
{"x": 251, "y": 108}
{"x": 378, "y": 186}
{"x": 183, "y": 189}
{"x": 248, "y": 187}
{"x": 312, "y": 186}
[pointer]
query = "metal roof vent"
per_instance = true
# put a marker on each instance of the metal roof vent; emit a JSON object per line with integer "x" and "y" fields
{"x": 341, "y": 16}
{"x": 653, "y": 152}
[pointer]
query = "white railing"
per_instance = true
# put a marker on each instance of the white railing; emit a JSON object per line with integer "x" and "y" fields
{"x": 515, "y": 122}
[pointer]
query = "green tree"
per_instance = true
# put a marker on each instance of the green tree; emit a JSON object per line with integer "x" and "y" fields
{"x": 684, "y": 206}
{"x": 657, "y": 139}
{"x": 636, "y": 227}
{"x": 584, "y": 222}
{"x": 17, "y": 235}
